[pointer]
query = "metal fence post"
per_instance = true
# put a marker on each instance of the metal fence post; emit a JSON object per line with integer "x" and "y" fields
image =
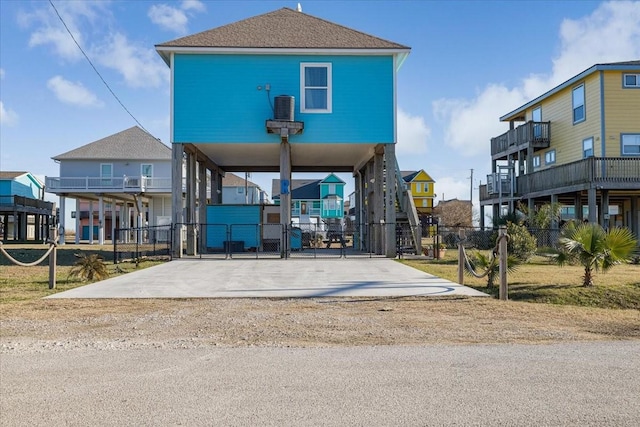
{"x": 502, "y": 249}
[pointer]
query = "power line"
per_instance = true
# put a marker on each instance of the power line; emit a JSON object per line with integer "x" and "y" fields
{"x": 94, "y": 68}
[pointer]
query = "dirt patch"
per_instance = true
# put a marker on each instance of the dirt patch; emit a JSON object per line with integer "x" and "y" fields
{"x": 46, "y": 325}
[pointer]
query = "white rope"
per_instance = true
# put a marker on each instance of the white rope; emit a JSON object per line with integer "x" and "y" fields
{"x": 27, "y": 264}
{"x": 491, "y": 263}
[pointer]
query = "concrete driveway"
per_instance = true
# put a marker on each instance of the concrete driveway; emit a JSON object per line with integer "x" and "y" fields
{"x": 293, "y": 278}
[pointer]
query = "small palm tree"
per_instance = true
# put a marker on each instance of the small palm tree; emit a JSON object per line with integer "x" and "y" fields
{"x": 594, "y": 248}
{"x": 90, "y": 267}
{"x": 491, "y": 266}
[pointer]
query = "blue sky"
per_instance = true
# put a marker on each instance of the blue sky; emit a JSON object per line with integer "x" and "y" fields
{"x": 470, "y": 63}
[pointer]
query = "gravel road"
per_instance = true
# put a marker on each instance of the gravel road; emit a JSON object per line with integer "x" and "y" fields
{"x": 574, "y": 384}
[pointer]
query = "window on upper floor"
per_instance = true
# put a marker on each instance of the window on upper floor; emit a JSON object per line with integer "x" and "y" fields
{"x": 631, "y": 80}
{"x": 550, "y": 157}
{"x": 146, "y": 170}
{"x": 240, "y": 190}
{"x": 587, "y": 147}
{"x": 315, "y": 87}
{"x": 579, "y": 113}
{"x": 106, "y": 173}
{"x": 418, "y": 187}
{"x": 631, "y": 144}
{"x": 536, "y": 116}
{"x": 332, "y": 189}
{"x": 536, "y": 162}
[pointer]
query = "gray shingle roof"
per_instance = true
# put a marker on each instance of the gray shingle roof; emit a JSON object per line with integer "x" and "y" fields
{"x": 10, "y": 174}
{"x": 300, "y": 188}
{"x": 130, "y": 144}
{"x": 284, "y": 28}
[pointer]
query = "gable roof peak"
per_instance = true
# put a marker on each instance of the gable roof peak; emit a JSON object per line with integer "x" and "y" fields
{"x": 283, "y": 28}
{"x": 131, "y": 144}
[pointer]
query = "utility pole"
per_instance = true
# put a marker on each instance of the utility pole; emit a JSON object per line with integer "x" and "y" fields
{"x": 471, "y": 188}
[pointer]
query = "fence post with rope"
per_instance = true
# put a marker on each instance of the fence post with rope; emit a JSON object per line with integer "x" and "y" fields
{"x": 502, "y": 249}
{"x": 51, "y": 253}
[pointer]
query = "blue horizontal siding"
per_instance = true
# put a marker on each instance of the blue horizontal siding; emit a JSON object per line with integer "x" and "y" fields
{"x": 216, "y": 99}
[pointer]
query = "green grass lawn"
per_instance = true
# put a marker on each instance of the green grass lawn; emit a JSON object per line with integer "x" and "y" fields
{"x": 542, "y": 281}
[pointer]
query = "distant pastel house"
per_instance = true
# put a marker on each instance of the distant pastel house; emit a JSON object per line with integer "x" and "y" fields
{"x": 24, "y": 215}
{"x": 123, "y": 180}
{"x": 421, "y": 188}
{"x": 237, "y": 190}
{"x": 314, "y": 200}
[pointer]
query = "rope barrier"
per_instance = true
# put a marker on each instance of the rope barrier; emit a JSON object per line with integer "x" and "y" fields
{"x": 492, "y": 262}
{"x": 28, "y": 264}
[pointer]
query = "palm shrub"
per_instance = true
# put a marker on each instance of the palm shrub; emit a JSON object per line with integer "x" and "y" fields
{"x": 90, "y": 267}
{"x": 490, "y": 266}
{"x": 594, "y": 248}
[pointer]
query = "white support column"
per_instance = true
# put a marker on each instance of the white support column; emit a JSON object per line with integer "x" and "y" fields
{"x": 101, "y": 219}
{"x": 61, "y": 219}
{"x": 91, "y": 222}
{"x": 78, "y": 224}
{"x": 124, "y": 220}
{"x": 390, "y": 200}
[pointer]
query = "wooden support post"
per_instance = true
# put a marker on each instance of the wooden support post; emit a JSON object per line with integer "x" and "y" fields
{"x": 53, "y": 259}
{"x": 502, "y": 250}
{"x": 461, "y": 257}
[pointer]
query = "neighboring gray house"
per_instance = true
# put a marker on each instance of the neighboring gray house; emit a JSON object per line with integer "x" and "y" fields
{"x": 123, "y": 180}
{"x": 236, "y": 190}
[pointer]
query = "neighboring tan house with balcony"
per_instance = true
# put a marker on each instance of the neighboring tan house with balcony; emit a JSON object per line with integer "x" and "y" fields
{"x": 577, "y": 145}
{"x": 121, "y": 181}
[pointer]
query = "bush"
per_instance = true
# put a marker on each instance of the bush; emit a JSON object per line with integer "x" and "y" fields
{"x": 521, "y": 244}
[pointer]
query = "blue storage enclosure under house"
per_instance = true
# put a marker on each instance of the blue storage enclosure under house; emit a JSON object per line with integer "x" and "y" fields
{"x": 233, "y": 228}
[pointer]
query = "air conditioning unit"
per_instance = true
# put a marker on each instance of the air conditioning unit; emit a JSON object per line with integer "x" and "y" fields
{"x": 284, "y": 108}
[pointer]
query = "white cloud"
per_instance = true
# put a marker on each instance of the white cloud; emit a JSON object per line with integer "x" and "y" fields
{"x": 169, "y": 18}
{"x": 7, "y": 117}
{"x": 49, "y": 30}
{"x": 1, "y": 73}
{"x": 72, "y": 93}
{"x": 173, "y": 18}
{"x": 452, "y": 188}
{"x": 413, "y": 134}
{"x": 611, "y": 33}
{"x": 196, "y": 5}
{"x": 140, "y": 66}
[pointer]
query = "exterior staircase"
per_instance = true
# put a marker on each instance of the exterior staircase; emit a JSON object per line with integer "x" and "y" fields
{"x": 407, "y": 221}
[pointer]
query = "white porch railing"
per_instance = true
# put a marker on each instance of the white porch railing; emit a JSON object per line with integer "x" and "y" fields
{"x": 100, "y": 184}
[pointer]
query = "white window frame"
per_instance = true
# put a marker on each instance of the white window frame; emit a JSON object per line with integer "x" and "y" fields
{"x": 331, "y": 189}
{"x": 582, "y": 104}
{"x": 636, "y": 142}
{"x": 106, "y": 180}
{"x": 142, "y": 166}
{"x": 585, "y": 148}
{"x": 303, "y": 87}
{"x": 550, "y": 157}
{"x": 536, "y": 161}
{"x": 632, "y": 86}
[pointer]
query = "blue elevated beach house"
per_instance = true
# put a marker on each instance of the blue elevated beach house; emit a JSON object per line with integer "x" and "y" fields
{"x": 285, "y": 92}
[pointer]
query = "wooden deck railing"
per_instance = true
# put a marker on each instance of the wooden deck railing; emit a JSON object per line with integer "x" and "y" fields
{"x": 25, "y": 201}
{"x": 595, "y": 170}
{"x": 538, "y": 134}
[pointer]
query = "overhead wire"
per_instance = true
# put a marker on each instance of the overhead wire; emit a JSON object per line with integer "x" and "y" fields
{"x": 95, "y": 69}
